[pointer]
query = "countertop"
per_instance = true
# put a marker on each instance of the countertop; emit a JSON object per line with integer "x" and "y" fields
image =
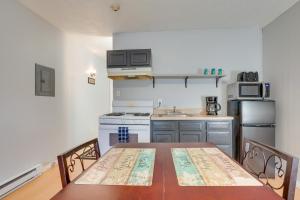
{"x": 192, "y": 117}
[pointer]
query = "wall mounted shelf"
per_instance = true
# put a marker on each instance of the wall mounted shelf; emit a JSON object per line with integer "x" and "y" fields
{"x": 186, "y": 77}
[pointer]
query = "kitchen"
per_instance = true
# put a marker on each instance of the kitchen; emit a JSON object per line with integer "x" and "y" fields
{"x": 161, "y": 95}
{"x": 184, "y": 86}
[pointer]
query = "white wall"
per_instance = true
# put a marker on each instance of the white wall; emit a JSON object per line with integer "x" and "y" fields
{"x": 84, "y": 103}
{"x": 34, "y": 130}
{"x": 281, "y": 60}
{"x": 184, "y": 52}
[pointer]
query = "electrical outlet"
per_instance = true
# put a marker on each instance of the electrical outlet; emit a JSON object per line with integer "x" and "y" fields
{"x": 118, "y": 93}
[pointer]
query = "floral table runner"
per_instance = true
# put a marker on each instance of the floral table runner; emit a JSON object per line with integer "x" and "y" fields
{"x": 209, "y": 167}
{"x": 122, "y": 166}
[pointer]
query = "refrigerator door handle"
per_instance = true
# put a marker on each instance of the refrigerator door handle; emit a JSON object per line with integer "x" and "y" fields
{"x": 258, "y": 125}
{"x": 264, "y": 90}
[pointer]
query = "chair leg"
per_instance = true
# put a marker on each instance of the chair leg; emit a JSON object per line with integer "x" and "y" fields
{"x": 64, "y": 175}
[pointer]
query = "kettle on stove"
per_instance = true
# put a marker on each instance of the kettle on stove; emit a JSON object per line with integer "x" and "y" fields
{"x": 212, "y": 105}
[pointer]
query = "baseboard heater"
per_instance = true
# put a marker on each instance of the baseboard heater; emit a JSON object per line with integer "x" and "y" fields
{"x": 16, "y": 182}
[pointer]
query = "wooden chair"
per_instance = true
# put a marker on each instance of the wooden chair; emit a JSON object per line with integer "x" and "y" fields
{"x": 258, "y": 159}
{"x": 67, "y": 161}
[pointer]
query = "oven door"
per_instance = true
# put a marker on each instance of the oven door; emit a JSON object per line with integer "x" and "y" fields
{"x": 250, "y": 90}
{"x": 108, "y": 135}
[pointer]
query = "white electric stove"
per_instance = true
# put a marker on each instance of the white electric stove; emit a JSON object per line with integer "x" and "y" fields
{"x": 134, "y": 115}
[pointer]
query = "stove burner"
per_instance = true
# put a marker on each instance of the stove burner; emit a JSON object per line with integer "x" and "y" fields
{"x": 115, "y": 114}
{"x": 141, "y": 114}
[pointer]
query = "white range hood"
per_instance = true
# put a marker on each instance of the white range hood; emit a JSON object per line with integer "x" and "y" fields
{"x": 130, "y": 71}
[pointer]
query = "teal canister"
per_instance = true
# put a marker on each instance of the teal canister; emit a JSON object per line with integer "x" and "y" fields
{"x": 213, "y": 71}
{"x": 205, "y": 72}
{"x": 220, "y": 72}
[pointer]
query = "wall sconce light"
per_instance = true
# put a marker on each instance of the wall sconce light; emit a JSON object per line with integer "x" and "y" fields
{"x": 115, "y": 7}
{"x": 92, "y": 78}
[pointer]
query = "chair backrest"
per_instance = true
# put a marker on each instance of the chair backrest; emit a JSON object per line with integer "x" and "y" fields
{"x": 271, "y": 166}
{"x": 68, "y": 161}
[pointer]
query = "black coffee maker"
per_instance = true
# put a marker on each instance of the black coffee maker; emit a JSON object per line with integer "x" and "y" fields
{"x": 212, "y": 106}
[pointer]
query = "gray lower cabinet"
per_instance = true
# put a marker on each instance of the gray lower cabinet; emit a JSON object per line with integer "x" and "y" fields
{"x": 165, "y": 136}
{"x": 220, "y": 134}
{"x": 226, "y": 148}
{"x": 165, "y": 125}
{"x": 192, "y": 131}
{"x": 216, "y": 132}
{"x": 165, "y": 131}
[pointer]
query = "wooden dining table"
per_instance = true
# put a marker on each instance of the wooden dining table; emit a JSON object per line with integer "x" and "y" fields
{"x": 164, "y": 184}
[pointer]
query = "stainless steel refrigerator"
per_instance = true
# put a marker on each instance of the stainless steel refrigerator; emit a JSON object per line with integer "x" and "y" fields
{"x": 254, "y": 120}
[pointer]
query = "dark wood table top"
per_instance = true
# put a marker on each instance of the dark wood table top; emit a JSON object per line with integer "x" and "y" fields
{"x": 165, "y": 185}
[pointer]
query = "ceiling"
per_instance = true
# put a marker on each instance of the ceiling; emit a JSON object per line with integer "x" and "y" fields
{"x": 96, "y": 17}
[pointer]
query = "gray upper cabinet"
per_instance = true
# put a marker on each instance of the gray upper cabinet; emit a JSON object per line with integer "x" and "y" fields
{"x": 129, "y": 58}
{"x": 140, "y": 57}
{"x": 116, "y": 58}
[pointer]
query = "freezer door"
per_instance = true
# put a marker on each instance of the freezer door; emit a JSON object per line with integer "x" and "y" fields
{"x": 257, "y": 112}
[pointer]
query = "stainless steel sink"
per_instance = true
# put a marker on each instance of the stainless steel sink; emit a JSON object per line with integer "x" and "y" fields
{"x": 174, "y": 114}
